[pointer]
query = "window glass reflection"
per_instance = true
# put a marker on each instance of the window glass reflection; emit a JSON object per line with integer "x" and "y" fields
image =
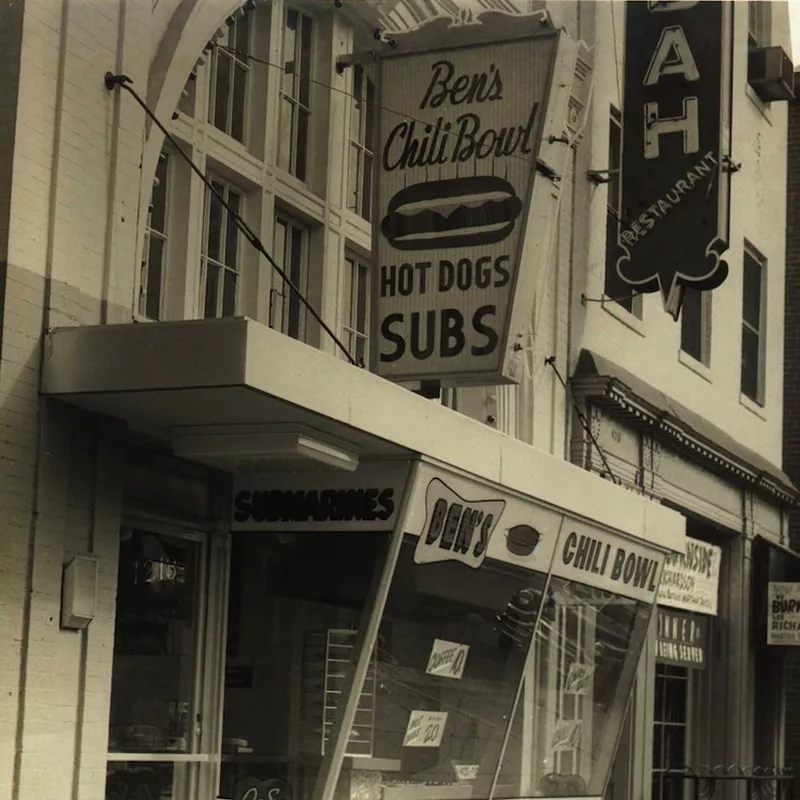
{"x": 577, "y": 683}
{"x": 449, "y": 661}
{"x": 296, "y": 601}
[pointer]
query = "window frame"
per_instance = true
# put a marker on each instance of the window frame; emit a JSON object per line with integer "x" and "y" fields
{"x": 165, "y": 157}
{"x": 759, "y": 23}
{"x": 235, "y": 59}
{"x": 356, "y": 331}
{"x": 297, "y": 164}
{"x": 360, "y": 149}
{"x": 281, "y": 297}
{"x": 196, "y": 771}
{"x": 703, "y": 353}
{"x": 668, "y": 672}
{"x": 221, "y": 263}
{"x": 760, "y": 332}
{"x": 632, "y": 303}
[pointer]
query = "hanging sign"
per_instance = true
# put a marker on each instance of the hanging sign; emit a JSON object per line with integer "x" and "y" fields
{"x": 674, "y": 205}
{"x": 783, "y": 618}
{"x": 681, "y": 638}
{"x": 462, "y": 166}
{"x": 691, "y": 580}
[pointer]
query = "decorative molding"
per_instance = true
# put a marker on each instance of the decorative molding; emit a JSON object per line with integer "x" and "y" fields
{"x": 617, "y": 400}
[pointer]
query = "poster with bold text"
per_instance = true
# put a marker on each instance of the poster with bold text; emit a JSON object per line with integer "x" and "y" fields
{"x": 783, "y": 617}
{"x": 459, "y": 133}
{"x": 447, "y": 659}
{"x": 425, "y": 729}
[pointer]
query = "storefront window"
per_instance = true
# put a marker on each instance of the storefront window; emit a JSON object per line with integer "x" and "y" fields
{"x": 296, "y": 602}
{"x": 577, "y": 683}
{"x": 670, "y": 725}
{"x": 155, "y": 711}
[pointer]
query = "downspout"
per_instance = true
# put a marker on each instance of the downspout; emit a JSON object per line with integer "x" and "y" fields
{"x": 571, "y": 267}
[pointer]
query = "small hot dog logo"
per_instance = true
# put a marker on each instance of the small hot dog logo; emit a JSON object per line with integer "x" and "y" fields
{"x": 459, "y": 212}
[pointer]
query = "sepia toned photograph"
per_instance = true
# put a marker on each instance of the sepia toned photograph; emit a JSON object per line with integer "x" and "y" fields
{"x": 399, "y": 399}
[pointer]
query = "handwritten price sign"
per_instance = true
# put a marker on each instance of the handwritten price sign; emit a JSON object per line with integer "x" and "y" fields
{"x": 425, "y": 729}
{"x": 447, "y": 659}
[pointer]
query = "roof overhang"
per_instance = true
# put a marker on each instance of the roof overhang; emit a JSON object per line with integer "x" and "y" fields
{"x": 629, "y": 398}
{"x": 232, "y": 390}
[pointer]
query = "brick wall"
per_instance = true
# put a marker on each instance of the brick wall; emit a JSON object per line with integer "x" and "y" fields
{"x": 791, "y": 395}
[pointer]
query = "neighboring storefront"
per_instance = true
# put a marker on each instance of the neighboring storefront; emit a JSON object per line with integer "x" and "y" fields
{"x": 708, "y": 691}
{"x": 685, "y": 663}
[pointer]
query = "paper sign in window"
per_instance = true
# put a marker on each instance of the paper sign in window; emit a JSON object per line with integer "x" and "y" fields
{"x": 579, "y": 678}
{"x": 566, "y": 736}
{"x": 447, "y": 659}
{"x": 425, "y": 729}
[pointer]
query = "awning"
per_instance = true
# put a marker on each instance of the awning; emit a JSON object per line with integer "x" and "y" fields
{"x": 625, "y": 396}
{"x": 233, "y": 390}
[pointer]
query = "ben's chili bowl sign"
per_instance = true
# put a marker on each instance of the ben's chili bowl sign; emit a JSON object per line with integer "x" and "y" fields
{"x": 459, "y": 134}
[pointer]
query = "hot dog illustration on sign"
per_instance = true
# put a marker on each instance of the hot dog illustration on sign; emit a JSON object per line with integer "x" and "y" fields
{"x": 460, "y": 212}
{"x": 455, "y": 528}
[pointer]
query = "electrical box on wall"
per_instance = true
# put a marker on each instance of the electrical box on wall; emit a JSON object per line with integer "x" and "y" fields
{"x": 79, "y": 593}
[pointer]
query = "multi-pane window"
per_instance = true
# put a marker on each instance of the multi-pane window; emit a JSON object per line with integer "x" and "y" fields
{"x": 355, "y": 310}
{"x": 759, "y": 23}
{"x": 220, "y": 272}
{"x": 753, "y": 326}
{"x": 696, "y": 324}
{"x": 295, "y": 94}
{"x": 154, "y": 257}
{"x": 229, "y": 70}
{"x": 362, "y": 117}
{"x": 290, "y": 251}
{"x": 670, "y": 725}
{"x": 615, "y": 288}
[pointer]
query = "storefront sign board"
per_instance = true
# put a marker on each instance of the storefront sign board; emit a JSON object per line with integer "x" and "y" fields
{"x": 464, "y": 170}
{"x": 461, "y": 519}
{"x": 783, "y": 618}
{"x": 681, "y": 638}
{"x": 592, "y": 556}
{"x": 675, "y": 197}
{"x": 368, "y": 499}
{"x": 691, "y": 579}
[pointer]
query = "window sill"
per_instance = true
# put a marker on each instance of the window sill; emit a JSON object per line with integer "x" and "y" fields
{"x": 624, "y": 316}
{"x": 763, "y": 108}
{"x": 753, "y": 407}
{"x": 698, "y": 367}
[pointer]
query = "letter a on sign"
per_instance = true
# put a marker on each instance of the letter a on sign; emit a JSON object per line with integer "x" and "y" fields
{"x": 672, "y": 57}
{"x": 674, "y": 205}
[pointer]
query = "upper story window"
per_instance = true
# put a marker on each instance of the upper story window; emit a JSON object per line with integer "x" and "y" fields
{"x": 753, "y": 327}
{"x": 696, "y": 325}
{"x": 615, "y": 288}
{"x": 220, "y": 274}
{"x": 154, "y": 258}
{"x": 229, "y": 71}
{"x": 295, "y": 94}
{"x": 759, "y": 23}
{"x": 355, "y": 307}
{"x": 362, "y": 122}
{"x": 290, "y": 250}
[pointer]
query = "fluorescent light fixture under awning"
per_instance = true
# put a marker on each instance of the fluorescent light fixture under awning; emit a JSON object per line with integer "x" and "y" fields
{"x": 255, "y": 451}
